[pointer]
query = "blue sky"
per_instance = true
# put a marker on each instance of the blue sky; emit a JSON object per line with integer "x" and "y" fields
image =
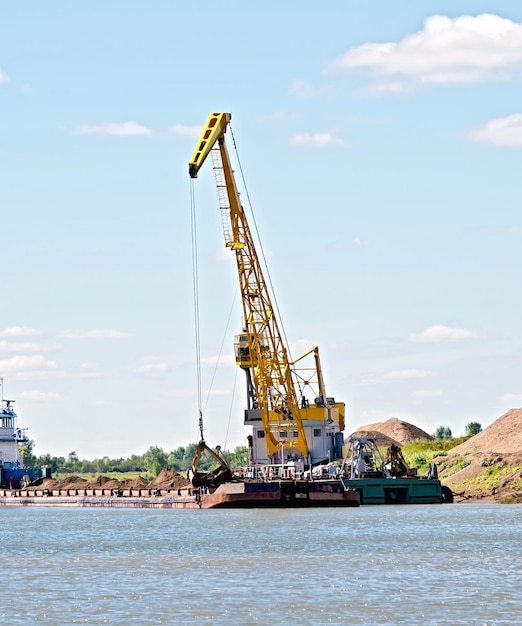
{"x": 380, "y": 143}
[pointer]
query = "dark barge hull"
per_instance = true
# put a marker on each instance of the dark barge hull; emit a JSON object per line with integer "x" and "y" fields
{"x": 281, "y": 494}
{"x": 275, "y": 494}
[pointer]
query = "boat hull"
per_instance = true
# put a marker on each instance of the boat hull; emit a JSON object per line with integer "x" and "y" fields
{"x": 399, "y": 490}
{"x": 274, "y": 494}
{"x": 281, "y": 494}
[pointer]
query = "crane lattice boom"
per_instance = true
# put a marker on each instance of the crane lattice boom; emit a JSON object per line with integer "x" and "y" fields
{"x": 275, "y": 387}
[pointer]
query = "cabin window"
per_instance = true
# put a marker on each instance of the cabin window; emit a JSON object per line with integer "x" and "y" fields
{"x": 295, "y": 434}
{"x": 260, "y": 434}
{"x": 317, "y": 432}
{"x": 283, "y": 434}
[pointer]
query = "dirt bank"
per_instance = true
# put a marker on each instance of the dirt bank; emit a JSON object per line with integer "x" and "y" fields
{"x": 488, "y": 466}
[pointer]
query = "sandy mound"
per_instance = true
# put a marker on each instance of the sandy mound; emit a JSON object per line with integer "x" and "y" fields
{"x": 166, "y": 479}
{"x": 382, "y": 440}
{"x": 504, "y": 436}
{"x": 169, "y": 479}
{"x": 136, "y": 483}
{"x": 74, "y": 482}
{"x": 399, "y": 432}
{"x": 46, "y": 483}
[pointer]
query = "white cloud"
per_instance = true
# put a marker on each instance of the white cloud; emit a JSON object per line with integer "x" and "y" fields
{"x": 426, "y": 393}
{"x": 358, "y": 242}
{"x": 381, "y": 89}
{"x": 465, "y": 49}
{"x": 300, "y": 346}
{"x": 513, "y": 399}
{"x": 94, "y": 334}
{"x": 153, "y": 368}
{"x": 5, "y": 346}
{"x": 316, "y": 140}
{"x": 303, "y": 89}
{"x": 225, "y": 360}
{"x": 502, "y": 131}
{"x": 40, "y": 397}
{"x": 439, "y": 333}
{"x": 121, "y": 129}
{"x": 20, "y": 331}
{"x": 186, "y": 131}
{"x": 514, "y": 230}
{"x": 26, "y": 363}
{"x": 3, "y": 77}
{"x": 407, "y": 374}
{"x": 224, "y": 254}
{"x": 281, "y": 116}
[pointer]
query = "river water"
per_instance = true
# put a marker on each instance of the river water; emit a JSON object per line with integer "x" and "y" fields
{"x": 424, "y": 564}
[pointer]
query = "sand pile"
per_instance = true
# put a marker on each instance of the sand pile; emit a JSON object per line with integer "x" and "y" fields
{"x": 381, "y": 440}
{"x": 504, "y": 436}
{"x": 166, "y": 479}
{"x": 492, "y": 462}
{"x": 393, "y": 431}
{"x": 74, "y": 482}
{"x": 169, "y": 479}
{"x": 46, "y": 483}
{"x": 136, "y": 483}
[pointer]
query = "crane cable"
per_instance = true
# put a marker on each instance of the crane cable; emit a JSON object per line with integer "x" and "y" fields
{"x": 273, "y": 296}
{"x": 197, "y": 331}
{"x": 195, "y": 293}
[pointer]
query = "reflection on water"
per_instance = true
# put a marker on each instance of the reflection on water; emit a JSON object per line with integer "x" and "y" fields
{"x": 432, "y": 564}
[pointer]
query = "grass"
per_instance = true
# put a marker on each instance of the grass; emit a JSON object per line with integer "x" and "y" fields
{"x": 421, "y": 454}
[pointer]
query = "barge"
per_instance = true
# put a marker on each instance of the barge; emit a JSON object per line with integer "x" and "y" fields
{"x": 389, "y": 481}
{"x": 275, "y": 494}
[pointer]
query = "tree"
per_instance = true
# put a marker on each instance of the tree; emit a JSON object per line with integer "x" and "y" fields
{"x": 154, "y": 460}
{"x": 473, "y": 428}
{"x": 54, "y": 462}
{"x": 72, "y": 463}
{"x": 26, "y": 452}
{"x": 443, "y": 432}
{"x": 238, "y": 458}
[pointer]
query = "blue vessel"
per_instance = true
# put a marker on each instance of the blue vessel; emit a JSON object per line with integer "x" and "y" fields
{"x": 13, "y": 474}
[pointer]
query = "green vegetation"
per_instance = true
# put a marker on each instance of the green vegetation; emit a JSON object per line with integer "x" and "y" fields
{"x": 473, "y": 428}
{"x": 442, "y": 432}
{"x": 492, "y": 477}
{"x": 421, "y": 454}
{"x": 148, "y": 464}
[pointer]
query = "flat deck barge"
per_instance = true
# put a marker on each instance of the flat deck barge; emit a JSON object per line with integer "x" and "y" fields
{"x": 275, "y": 494}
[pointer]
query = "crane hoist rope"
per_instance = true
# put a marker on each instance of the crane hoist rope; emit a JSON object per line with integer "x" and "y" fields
{"x": 195, "y": 295}
{"x": 223, "y": 471}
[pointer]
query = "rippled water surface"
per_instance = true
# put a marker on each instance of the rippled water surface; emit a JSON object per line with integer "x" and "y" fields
{"x": 433, "y": 564}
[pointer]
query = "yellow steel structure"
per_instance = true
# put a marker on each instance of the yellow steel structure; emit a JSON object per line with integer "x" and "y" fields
{"x": 260, "y": 349}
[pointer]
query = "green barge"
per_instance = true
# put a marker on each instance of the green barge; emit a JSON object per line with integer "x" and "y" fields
{"x": 388, "y": 481}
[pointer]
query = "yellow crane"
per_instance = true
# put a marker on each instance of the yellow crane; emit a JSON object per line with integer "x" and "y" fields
{"x": 277, "y": 387}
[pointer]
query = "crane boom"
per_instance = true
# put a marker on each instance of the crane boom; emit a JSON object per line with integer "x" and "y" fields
{"x": 274, "y": 387}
